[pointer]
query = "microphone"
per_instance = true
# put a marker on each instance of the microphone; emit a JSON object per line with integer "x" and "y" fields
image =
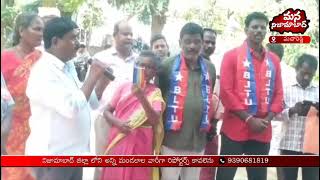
{"x": 108, "y": 72}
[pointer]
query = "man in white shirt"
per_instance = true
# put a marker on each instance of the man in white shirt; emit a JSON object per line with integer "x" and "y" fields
{"x": 120, "y": 59}
{"x": 60, "y": 120}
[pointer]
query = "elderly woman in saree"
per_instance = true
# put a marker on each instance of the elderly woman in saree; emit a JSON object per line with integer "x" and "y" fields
{"x": 135, "y": 115}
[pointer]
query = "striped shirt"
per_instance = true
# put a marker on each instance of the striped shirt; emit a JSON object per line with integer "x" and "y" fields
{"x": 294, "y": 126}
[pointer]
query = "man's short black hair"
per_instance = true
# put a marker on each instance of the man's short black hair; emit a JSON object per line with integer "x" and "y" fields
{"x": 309, "y": 59}
{"x": 209, "y": 30}
{"x": 156, "y": 37}
{"x": 191, "y": 28}
{"x": 255, "y": 15}
{"x": 57, "y": 27}
{"x": 150, "y": 54}
{"x": 278, "y": 49}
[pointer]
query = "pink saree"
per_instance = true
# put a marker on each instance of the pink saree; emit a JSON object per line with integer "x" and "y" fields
{"x": 142, "y": 140}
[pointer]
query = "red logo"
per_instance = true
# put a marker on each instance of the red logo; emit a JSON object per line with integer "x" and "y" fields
{"x": 294, "y": 21}
{"x": 290, "y": 39}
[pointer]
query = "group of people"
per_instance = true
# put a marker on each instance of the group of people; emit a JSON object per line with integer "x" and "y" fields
{"x": 46, "y": 110}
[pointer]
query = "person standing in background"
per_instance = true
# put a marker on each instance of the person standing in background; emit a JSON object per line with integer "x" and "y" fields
{"x": 121, "y": 59}
{"x": 208, "y": 48}
{"x": 15, "y": 66}
{"x": 209, "y": 42}
{"x": 81, "y": 61}
{"x": 159, "y": 46}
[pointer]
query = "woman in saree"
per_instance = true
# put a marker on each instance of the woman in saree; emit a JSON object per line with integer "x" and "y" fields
{"x": 15, "y": 66}
{"x": 134, "y": 114}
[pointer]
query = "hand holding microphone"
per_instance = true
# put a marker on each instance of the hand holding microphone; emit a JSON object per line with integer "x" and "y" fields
{"x": 98, "y": 67}
{"x": 96, "y": 81}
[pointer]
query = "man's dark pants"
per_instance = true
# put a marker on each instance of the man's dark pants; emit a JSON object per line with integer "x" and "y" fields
{"x": 291, "y": 173}
{"x": 230, "y": 147}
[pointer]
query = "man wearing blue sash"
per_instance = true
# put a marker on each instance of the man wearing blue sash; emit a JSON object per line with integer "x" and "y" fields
{"x": 186, "y": 81}
{"x": 251, "y": 93}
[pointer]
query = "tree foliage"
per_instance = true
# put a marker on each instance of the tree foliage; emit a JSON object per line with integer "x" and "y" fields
{"x": 9, "y": 11}
{"x": 212, "y": 16}
{"x": 217, "y": 13}
{"x": 148, "y": 11}
{"x": 144, "y": 9}
{"x": 68, "y": 7}
{"x": 8, "y": 15}
{"x": 32, "y": 7}
{"x": 91, "y": 17}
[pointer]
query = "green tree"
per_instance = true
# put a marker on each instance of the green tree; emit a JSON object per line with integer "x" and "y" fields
{"x": 212, "y": 16}
{"x": 148, "y": 11}
{"x": 92, "y": 17}
{"x": 68, "y": 7}
{"x": 4, "y": 22}
{"x": 217, "y": 13}
{"x": 8, "y": 15}
{"x": 32, "y": 7}
{"x": 5, "y": 3}
{"x": 9, "y": 11}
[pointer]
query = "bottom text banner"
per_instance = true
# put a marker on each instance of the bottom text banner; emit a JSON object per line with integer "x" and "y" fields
{"x": 159, "y": 161}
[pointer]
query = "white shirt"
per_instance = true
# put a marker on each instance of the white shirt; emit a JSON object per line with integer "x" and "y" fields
{"x": 60, "y": 114}
{"x": 122, "y": 70}
{"x": 288, "y": 74}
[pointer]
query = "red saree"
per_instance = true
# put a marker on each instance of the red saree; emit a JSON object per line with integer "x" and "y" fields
{"x": 16, "y": 72}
